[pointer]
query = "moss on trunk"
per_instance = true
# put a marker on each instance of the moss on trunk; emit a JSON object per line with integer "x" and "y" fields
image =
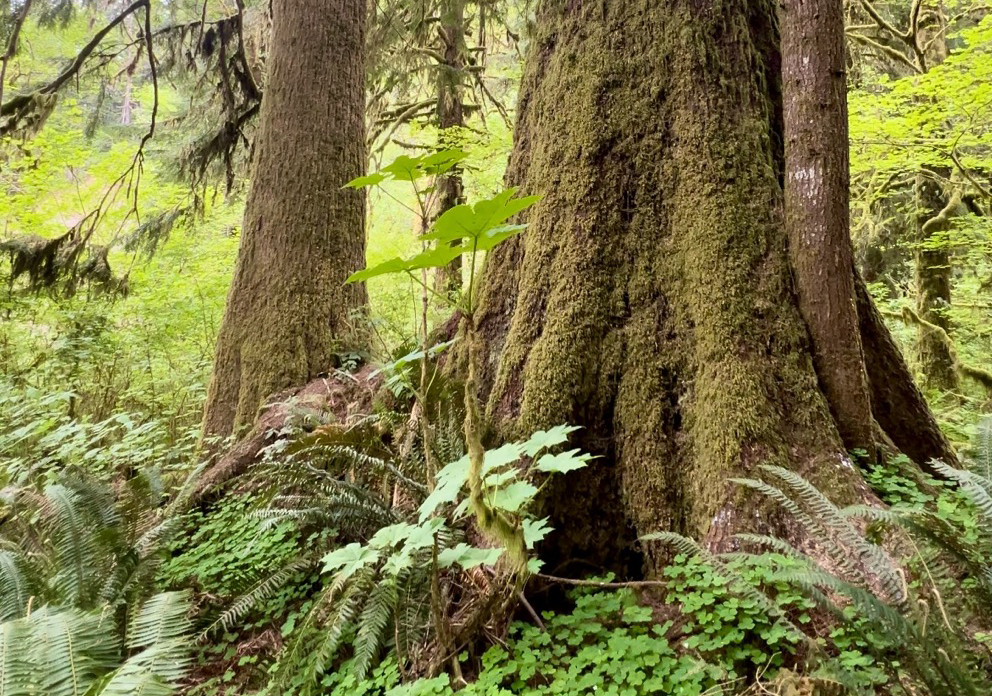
{"x": 933, "y": 279}
{"x": 651, "y": 299}
{"x": 288, "y": 309}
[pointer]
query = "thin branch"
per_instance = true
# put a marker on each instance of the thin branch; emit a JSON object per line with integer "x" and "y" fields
{"x": 22, "y": 102}
{"x": 12, "y": 44}
{"x": 603, "y": 585}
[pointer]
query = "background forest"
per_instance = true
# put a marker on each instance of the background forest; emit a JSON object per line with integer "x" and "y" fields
{"x": 493, "y": 461}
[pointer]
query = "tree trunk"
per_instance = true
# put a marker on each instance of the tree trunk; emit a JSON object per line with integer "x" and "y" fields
{"x": 651, "y": 299}
{"x": 933, "y": 258}
{"x": 450, "y": 115}
{"x": 933, "y": 281}
{"x": 288, "y": 309}
{"x": 817, "y": 182}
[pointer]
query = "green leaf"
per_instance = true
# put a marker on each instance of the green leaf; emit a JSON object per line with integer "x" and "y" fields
{"x": 373, "y": 179}
{"x": 390, "y": 536}
{"x": 441, "y": 162}
{"x": 350, "y": 559}
{"x": 563, "y": 462}
{"x": 450, "y": 480}
{"x": 535, "y": 531}
{"x": 405, "y": 168}
{"x": 391, "y": 266}
{"x": 422, "y": 535}
{"x": 468, "y": 556}
{"x": 534, "y": 565}
{"x": 514, "y": 496}
{"x": 474, "y": 221}
{"x": 501, "y": 456}
{"x": 438, "y": 257}
{"x": 497, "y": 236}
{"x": 544, "y": 439}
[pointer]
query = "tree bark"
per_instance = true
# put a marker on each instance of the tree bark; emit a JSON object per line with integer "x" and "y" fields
{"x": 817, "y": 183}
{"x": 288, "y": 309}
{"x": 651, "y": 299}
{"x": 898, "y": 405}
{"x": 933, "y": 281}
{"x": 450, "y": 118}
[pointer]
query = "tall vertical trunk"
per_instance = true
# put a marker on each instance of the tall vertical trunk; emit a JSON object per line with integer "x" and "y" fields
{"x": 651, "y": 299}
{"x": 933, "y": 280}
{"x": 288, "y": 309}
{"x": 817, "y": 182}
{"x": 450, "y": 115}
{"x": 933, "y": 258}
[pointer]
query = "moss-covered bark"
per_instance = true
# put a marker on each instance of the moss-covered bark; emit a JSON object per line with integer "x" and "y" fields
{"x": 288, "y": 308}
{"x": 933, "y": 279}
{"x": 651, "y": 299}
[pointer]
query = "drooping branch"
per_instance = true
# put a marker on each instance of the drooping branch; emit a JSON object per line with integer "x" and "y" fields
{"x": 41, "y": 101}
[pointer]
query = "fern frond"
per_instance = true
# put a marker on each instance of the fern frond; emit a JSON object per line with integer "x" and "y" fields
{"x": 15, "y": 665}
{"x": 872, "y": 561}
{"x": 779, "y": 545}
{"x": 75, "y": 547}
{"x": 412, "y": 620}
{"x": 15, "y": 586}
{"x": 163, "y": 617}
{"x": 70, "y": 650}
{"x": 259, "y": 593}
{"x": 981, "y": 450}
{"x": 373, "y": 624}
{"x": 787, "y": 503}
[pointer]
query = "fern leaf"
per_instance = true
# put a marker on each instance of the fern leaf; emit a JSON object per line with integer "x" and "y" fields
{"x": 372, "y": 625}
{"x": 981, "y": 461}
{"x": 75, "y": 547}
{"x": 259, "y": 593}
{"x": 872, "y": 560}
{"x": 15, "y": 586}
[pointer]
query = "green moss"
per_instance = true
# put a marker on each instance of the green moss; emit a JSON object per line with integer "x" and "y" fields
{"x": 652, "y": 299}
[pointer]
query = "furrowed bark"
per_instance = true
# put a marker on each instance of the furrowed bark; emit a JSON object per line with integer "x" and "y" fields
{"x": 288, "y": 309}
{"x": 450, "y": 115}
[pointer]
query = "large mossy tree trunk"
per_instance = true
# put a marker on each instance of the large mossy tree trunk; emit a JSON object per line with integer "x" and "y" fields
{"x": 288, "y": 309}
{"x": 651, "y": 299}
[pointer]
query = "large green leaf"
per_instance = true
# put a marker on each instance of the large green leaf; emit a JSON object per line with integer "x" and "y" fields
{"x": 350, "y": 559}
{"x": 563, "y": 462}
{"x": 438, "y": 257}
{"x": 475, "y": 221}
{"x": 513, "y": 497}
{"x": 535, "y": 530}
{"x": 468, "y": 556}
{"x": 545, "y": 439}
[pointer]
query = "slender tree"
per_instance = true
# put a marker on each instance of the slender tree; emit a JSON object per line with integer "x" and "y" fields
{"x": 288, "y": 309}
{"x": 651, "y": 299}
{"x": 450, "y": 118}
{"x": 817, "y": 182}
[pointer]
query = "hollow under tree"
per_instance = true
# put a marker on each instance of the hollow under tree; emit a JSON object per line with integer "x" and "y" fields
{"x": 652, "y": 299}
{"x": 288, "y": 309}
